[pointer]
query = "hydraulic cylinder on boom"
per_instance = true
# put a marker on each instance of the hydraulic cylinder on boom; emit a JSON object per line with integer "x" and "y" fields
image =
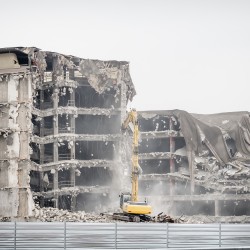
{"x": 133, "y": 209}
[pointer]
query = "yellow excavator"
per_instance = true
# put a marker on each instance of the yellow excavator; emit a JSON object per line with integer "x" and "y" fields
{"x": 133, "y": 210}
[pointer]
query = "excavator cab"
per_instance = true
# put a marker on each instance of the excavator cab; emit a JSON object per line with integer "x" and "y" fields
{"x": 124, "y": 197}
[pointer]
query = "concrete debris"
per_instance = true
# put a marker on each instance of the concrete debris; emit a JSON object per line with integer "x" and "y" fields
{"x": 50, "y": 214}
{"x": 163, "y": 218}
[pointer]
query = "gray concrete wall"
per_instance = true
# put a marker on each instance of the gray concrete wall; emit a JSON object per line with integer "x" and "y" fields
{"x": 15, "y": 195}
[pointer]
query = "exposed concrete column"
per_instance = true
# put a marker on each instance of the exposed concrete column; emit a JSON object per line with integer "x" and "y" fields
{"x": 55, "y": 180}
{"x": 55, "y": 187}
{"x": 41, "y": 182}
{"x": 73, "y": 176}
{"x": 55, "y": 124}
{"x": 171, "y": 161}
{"x": 72, "y": 96}
{"x": 55, "y": 151}
{"x": 217, "y": 208}
{"x": 41, "y": 98}
{"x": 123, "y": 101}
{"x": 72, "y": 150}
{"x": 122, "y": 142}
{"x": 41, "y": 146}
{"x": 73, "y": 203}
{"x": 190, "y": 156}
{"x": 72, "y": 126}
{"x": 55, "y": 107}
{"x": 172, "y": 165}
{"x": 41, "y": 189}
{"x": 42, "y": 119}
{"x": 73, "y": 181}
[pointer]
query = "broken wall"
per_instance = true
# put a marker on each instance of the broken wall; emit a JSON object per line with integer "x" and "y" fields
{"x": 15, "y": 129}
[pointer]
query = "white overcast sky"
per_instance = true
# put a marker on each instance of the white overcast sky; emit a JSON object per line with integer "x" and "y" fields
{"x": 183, "y": 54}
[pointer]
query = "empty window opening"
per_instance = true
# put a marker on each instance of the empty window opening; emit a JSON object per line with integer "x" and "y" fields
{"x": 158, "y": 123}
{"x": 92, "y": 202}
{"x": 48, "y": 100}
{"x": 98, "y": 124}
{"x": 154, "y": 145}
{"x": 36, "y": 121}
{"x": 87, "y": 97}
{"x": 37, "y": 99}
{"x": 35, "y": 181}
{"x": 94, "y": 176}
{"x": 64, "y": 123}
{"x": 48, "y": 152}
{"x": 195, "y": 207}
{"x": 48, "y": 125}
{"x": 35, "y": 155}
{"x": 236, "y": 208}
{"x": 153, "y": 188}
{"x": 180, "y": 143}
{"x": 47, "y": 181}
{"x": 155, "y": 166}
{"x": 87, "y": 150}
{"x": 64, "y": 202}
{"x": 64, "y": 150}
{"x": 65, "y": 97}
{"x": 64, "y": 179}
{"x": 182, "y": 187}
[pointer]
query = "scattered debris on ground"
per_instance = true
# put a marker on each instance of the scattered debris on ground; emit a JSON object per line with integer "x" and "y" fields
{"x": 50, "y": 214}
{"x": 163, "y": 218}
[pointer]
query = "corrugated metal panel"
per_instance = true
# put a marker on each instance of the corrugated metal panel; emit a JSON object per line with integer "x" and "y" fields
{"x": 7, "y": 235}
{"x": 39, "y": 235}
{"x": 188, "y": 235}
{"x": 141, "y": 236}
{"x": 235, "y": 235}
{"x": 71, "y": 235}
{"x": 90, "y": 235}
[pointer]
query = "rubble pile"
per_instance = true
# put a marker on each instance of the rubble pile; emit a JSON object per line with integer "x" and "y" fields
{"x": 163, "y": 218}
{"x": 50, "y": 214}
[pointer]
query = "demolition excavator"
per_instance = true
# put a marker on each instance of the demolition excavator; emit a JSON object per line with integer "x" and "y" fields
{"x": 132, "y": 208}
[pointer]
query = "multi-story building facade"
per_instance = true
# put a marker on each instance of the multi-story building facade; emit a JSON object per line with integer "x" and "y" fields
{"x": 62, "y": 116}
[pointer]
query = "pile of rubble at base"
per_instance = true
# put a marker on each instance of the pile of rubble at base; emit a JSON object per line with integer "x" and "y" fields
{"x": 50, "y": 214}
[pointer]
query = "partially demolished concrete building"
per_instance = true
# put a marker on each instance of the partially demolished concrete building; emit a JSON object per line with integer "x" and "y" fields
{"x": 61, "y": 144}
{"x": 196, "y": 164}
{"x": 60, "y": 130}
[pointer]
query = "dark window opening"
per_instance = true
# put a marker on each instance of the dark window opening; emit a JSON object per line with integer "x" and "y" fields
{"x": 97, "y": 124}
{"x": 87, "y": 97}
{"x": 35, "y": 156}
{"x": 64, "y": 179}
{"x": 94, "y": 176}
{"x": 158, "y": 123}
{"x": 87, "y": 150}
{"x": 48, "y": 125}
{"x": 155, "y": 166}
{"x": 65, "y": 97}
{"x": 64, "y": 152}
{"x": 92, "y": 202}
{"x": 154, "y": 145}
{"x": 48, "y": 100}
{"x": 64, "y": 124}
{"x": 48, "y": 152}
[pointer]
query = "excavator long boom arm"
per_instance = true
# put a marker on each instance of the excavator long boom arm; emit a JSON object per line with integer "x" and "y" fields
{"x": 132, "y": 118}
